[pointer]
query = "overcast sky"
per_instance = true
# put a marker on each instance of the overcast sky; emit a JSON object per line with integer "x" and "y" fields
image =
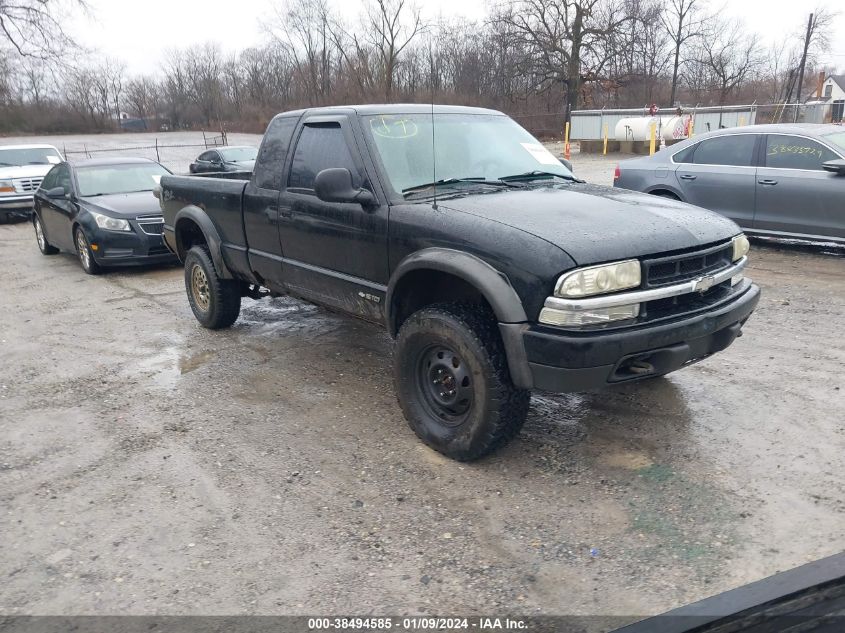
{"x": 140, "y": 35}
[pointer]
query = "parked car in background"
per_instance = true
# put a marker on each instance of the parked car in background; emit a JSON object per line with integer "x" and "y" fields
{"x": 773, "y": 180}
{"x": 103, "y": 210}
{"x": 22, "y": 167}
{"x": 225, "y": 159}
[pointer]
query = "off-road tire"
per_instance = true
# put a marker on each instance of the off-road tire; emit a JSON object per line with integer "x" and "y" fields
{"x": 41, "y": 238}
{"x": 84, "y": 253}
{"x": 215, "y": 302}
{"x": 497, "y": 409}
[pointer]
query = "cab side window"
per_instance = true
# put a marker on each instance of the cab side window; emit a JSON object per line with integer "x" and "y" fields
{"x": 736, "y": 150}
{"x": 274, "y": 150}
{"x": 208, "y": 157}
{"x": 320, "y": 146}
{"x": 795, "y": 152}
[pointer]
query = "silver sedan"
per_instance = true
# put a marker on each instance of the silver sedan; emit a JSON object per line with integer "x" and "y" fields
{"x": 773, "y": 180}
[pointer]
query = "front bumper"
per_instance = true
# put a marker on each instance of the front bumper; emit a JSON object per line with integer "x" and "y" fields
{"x": 136, "y": 248}
{"x": 18, "y": 204}
{"x": 565, "y": 361}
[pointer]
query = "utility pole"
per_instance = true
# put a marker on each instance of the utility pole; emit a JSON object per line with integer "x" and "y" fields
{"x": 803, "y": 64}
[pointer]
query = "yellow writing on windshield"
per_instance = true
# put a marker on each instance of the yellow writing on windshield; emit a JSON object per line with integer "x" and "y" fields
{"x": 393, "y": 127}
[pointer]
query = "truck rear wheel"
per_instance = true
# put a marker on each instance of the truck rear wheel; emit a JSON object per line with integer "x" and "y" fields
{"x": 215, "y": 302}
{"x": 453, "y": 384}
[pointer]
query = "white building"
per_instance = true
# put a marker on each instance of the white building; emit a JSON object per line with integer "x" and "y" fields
{"x": 832, "y": 93}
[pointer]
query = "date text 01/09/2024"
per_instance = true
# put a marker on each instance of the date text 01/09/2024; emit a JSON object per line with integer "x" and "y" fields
{"x": 415, "y": 624}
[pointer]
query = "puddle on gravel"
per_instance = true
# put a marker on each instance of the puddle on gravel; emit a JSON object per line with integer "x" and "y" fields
{"x": 167, "y": 366}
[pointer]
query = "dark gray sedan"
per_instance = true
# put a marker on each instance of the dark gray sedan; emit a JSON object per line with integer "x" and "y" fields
{"x": 227, "y": 158}
{"x": 773, "y": 180}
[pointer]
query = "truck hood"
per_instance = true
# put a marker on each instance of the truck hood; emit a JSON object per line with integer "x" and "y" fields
{"x": 24, "y": 171}
{"x": 127, "y": 205}
{"x": 595, "y": 224}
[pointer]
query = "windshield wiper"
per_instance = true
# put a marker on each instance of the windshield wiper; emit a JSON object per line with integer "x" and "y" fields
{"x": 9, "y": 165}
{"x": 537, "y": 175}
{"x": 477, "y": 180}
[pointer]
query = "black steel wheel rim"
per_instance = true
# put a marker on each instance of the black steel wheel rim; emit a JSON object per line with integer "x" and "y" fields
{"x": 444, "y": 383}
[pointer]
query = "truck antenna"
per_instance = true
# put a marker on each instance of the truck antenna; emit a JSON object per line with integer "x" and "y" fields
{"x": 433, "y": 153}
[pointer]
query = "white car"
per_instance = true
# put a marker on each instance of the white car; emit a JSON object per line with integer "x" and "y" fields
{"x": 22, "y": 168}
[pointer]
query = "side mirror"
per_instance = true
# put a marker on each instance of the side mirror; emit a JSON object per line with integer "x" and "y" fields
{"x": 335, "y": 185}
{"x": 567, "y": 164}
{"x": 835, "y": 166}
{"x": 56, "y": 193}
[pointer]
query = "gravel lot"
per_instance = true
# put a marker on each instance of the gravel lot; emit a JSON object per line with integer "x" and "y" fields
{"x": 150, "y": 466}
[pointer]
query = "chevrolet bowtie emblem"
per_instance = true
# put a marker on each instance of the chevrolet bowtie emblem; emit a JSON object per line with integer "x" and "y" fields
{"x": 703, "y": 284}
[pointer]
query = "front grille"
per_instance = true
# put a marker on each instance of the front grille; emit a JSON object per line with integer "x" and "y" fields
{"x": 26, "y": 185}
{"x": 152, "y": 224}
{"x": 665, "y": 271}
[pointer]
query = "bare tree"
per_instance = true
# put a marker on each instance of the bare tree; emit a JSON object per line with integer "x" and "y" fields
{"x": 728, "y": 56}
{"x": 684, "y": 20}
{"x": 564, "y": 40}
{"x": 34, "y": 28}
{"x": 391, "y": 25}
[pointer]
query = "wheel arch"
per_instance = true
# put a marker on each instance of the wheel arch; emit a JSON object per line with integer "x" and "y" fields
{"x": 191, "y": 227}
{"x": 662, "y": 189}
{"x": 492, "y": 285}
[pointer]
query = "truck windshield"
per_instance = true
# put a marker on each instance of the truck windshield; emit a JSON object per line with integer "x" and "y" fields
{"x": 103, "y": 180}
{"x": 29, "y": 156}
{"x": 468, "y": 146}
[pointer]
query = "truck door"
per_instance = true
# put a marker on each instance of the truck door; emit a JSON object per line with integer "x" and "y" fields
{"x": 261, "y": 200}
{"x": 334, "y": 253}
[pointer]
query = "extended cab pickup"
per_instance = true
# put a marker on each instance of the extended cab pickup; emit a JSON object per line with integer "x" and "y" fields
{"x": 496, "y": 270}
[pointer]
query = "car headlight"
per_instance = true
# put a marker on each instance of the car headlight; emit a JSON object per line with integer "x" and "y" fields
{"x": 110, "y": 224}
{"x": 741, "y": 247}
{"x": 599, "y": 280}
{"x": 7, "y": 186}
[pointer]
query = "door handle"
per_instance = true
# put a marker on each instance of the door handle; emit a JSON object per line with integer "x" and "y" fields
{"x": 285, "y": 212}
{"x": 767, "y": 181}
{"x": 688, "y": 177}
{"x": 272, "y": 214}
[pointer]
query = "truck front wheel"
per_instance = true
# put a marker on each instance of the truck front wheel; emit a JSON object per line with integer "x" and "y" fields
{"x": 453, "y": 384}
{"x": 215, "y": 302}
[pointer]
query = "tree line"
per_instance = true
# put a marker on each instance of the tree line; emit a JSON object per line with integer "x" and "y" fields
{"x": 526, "y": 57}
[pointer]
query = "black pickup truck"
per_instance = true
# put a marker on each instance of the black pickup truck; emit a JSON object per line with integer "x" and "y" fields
{"x": 496, "y": 270}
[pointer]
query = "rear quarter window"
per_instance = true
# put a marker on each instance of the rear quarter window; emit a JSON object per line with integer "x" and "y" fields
{"x": 270, "y": 162}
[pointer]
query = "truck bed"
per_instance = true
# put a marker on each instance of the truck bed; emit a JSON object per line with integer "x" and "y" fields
{"x": 220, "y": 195}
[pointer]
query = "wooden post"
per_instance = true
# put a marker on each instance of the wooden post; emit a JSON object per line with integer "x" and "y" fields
{"x": 606, "y": 131}
{"x": 566, "y": 149}
{"x": 653, "y": 138}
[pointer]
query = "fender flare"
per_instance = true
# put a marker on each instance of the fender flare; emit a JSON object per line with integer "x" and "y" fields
{"x": 209, "y": 231}
{"x": 494, "y": 287}
{"x": 491, "y": 283}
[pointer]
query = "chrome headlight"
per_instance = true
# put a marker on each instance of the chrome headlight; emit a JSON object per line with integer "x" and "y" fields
{"x": 7, "y": 186}
{"x": 110, "y": 224}
{"x": 741, "y": 247}
{"x": 599, "y": 280}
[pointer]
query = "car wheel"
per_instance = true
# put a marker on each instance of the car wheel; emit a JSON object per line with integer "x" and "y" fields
{"x": 666, "y": 194}
{"x": 452, "y": 381}
{"x": 43, "y": 245}
{"x": 215, "y": 302}
{"x": 86, "y": 256}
